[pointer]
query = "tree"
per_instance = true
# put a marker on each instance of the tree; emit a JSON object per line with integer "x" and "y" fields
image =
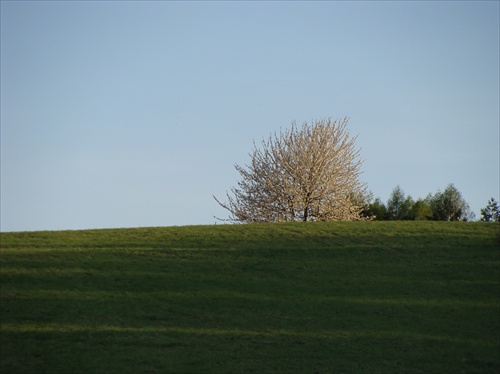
{"x": 399, "y": 207}
{"x": 376, "y": 210}
{"x": 449, "y": 205}
{"x": 491, "y": 213}
{"x": 421, "y": 210}
{"x": 308, "y": 173}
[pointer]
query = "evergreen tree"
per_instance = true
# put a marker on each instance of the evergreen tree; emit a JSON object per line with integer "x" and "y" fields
{"x": 491, "y": 213}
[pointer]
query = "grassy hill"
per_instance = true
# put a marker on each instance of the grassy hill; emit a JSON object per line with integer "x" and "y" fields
{"x": 348, "y": 297}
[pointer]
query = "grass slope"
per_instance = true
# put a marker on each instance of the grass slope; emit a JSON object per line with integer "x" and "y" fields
{"x": 353, "y": 297}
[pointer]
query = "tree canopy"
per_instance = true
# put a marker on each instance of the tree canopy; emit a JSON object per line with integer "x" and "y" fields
{"x": 399, "y": 207}
{"x": 306, "y": 173}
{"x": 448, "y": 205}
{"x": 491, "y": 213}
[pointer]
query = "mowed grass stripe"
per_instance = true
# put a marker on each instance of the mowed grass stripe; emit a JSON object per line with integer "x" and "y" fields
{"x": 128, "y": 296}
{"x": 325, "y": 334}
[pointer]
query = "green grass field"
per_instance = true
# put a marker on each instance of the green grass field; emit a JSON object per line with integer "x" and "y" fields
{"x": 342, "y": 297}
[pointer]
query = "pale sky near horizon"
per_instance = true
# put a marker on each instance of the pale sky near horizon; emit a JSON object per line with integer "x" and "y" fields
{"x": 127, "y": 114}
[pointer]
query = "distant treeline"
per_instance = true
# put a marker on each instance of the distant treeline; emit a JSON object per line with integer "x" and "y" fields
{"x": 448, "y": 205}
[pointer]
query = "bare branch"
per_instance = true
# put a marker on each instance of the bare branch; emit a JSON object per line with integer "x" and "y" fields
{"x": 301, "y": 174}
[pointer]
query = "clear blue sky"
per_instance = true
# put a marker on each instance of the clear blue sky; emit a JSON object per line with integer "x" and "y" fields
{"x": 125, "y": 114}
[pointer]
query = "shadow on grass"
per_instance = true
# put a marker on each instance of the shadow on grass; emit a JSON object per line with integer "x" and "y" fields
{"x": 72, "y": 348}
